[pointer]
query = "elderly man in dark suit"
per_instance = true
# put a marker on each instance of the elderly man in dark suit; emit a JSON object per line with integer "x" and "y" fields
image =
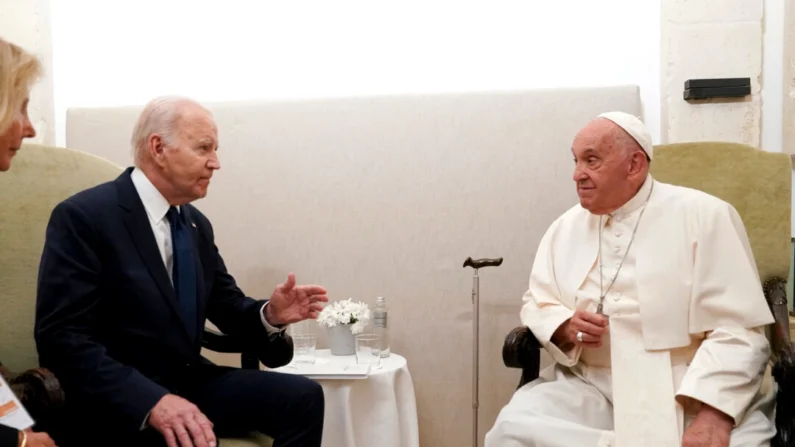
{"x": 129, "y": 274}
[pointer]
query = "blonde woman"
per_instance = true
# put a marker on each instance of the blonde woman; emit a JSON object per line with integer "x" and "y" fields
{"x": 18, "y": 71}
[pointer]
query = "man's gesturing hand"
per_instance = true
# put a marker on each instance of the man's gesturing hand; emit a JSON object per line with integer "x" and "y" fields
{"x": 291, "y": 303}
{"x": 181, "y": 423}
{"x": 593, "y": 327}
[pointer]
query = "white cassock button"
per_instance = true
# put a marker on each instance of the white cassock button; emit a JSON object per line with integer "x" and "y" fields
{"x": 617, "y": 249}
{"x": 618, "y": 234}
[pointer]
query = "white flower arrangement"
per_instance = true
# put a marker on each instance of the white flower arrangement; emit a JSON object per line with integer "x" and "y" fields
{"x": 345, "y": 312}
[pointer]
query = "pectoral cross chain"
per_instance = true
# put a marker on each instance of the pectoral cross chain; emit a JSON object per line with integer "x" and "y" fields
{"x": 603, "y": 293}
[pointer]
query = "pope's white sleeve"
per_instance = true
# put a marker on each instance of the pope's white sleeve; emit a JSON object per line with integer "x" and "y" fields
{"x": 543, "y": 311}
{"x": 729, "y": 307}
{"x": 726, "y": 288}
{"x": 727, "y": 371}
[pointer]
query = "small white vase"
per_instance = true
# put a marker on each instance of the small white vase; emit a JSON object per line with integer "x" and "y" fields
{"x": 341, "y": 340}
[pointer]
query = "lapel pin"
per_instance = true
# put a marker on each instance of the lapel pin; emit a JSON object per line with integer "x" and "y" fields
{"x": 193, "y": 224}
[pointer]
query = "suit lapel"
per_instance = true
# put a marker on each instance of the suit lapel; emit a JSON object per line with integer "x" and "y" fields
{"x": 140, "y": 230}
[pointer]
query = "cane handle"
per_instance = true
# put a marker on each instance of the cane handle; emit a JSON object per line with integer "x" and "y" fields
{"x": 483, "y": 262}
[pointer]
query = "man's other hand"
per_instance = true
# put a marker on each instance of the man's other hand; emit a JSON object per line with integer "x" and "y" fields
{"x": 710, "y": 428}
{"x": 593, "y": 327}
{"x": 181, "y": 423}
{"x": 291, "y": 303}
{"x": 36, "y": 439}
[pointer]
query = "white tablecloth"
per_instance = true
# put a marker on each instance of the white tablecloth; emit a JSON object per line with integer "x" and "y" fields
{"x": 379, "y": 411}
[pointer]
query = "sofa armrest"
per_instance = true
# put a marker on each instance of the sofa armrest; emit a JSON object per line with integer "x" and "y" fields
{"x": 784, "y": 363}
{"x": 227, "y": 344}
{"x": 522, "y": 350}
{"x": 218, "y": 342}
{"x": 38, "y": 387}
{"x": 784, "y": 375}
{"x": 776, "y": 294}
{"x": 40, "y": 393}
{"x": 280, "y": 354}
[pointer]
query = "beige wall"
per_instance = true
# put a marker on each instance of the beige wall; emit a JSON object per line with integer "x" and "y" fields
{"x": 789, "y": 79}
{"x": 27, "y": 23}
{"x": 277, "y": 53}
{"x": 711, "y": 39}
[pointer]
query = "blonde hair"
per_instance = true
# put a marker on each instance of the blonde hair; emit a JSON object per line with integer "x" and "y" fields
{"x": 19, "y": 69}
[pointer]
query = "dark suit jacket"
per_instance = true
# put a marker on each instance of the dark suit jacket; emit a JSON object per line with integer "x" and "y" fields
{"x": 9, "y": 437}
{"x": 107, "y": 318}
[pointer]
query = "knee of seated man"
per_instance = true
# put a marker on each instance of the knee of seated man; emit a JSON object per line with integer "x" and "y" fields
{"x": 501, "y": 432}
{"x": 309, "y": 396}
{"x": 313, "y": 392}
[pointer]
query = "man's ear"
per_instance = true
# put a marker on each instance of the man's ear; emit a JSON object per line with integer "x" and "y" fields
{"x": 636, "y": 163}
{"x": 157, "y": 148}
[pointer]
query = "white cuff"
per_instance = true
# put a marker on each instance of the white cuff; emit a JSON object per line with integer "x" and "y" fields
{"x": 566, "y": 358}
{"x": 145, "y": 424}
{"x": 272, "y": 330}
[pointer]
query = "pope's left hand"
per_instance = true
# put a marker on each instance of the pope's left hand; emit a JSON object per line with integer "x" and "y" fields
{"x": 291, "y": 304}
{"x": 710, "y": 428}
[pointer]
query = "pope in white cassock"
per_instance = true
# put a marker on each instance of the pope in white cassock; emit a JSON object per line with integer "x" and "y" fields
{"x": 647, "y": 297}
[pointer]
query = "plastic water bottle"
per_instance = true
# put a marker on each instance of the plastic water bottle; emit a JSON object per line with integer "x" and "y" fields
{"x": 381, "y": 325}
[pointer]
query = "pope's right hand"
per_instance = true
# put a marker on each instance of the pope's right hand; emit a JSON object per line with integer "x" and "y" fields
{"x": 593, "y": 327}
{"x": 181, "y": 423}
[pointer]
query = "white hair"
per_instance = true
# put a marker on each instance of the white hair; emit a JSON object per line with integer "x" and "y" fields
{"x": 159, "y": 116}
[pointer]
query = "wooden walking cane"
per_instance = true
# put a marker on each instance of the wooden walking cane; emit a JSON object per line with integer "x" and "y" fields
{"x": 477, "y": 264}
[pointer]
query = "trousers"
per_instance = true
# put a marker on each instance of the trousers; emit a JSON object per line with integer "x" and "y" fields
{"x": 288, "y": 408}
{"x": 562, "y": 409}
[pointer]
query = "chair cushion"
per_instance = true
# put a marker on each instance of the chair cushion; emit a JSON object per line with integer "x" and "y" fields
{"x": 253, "y": 440}
{"x": 757, "y": 183}
{"x": 40, "y": 177}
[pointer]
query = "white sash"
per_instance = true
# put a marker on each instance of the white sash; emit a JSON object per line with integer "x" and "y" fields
{"x": 645, "y": 412}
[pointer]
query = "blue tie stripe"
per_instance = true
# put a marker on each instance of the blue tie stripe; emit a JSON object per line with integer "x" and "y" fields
{"x": 184, "y": 270}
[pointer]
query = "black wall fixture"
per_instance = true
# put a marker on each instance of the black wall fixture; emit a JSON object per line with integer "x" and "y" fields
{"x": 717, "y": 88}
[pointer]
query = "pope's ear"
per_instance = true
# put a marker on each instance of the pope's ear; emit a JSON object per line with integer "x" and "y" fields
{"x": 638, "y": 161}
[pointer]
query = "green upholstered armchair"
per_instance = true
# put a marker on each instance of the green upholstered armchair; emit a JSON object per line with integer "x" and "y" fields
{"x": 38, "y": 180}
{"x": 758, "y": 184}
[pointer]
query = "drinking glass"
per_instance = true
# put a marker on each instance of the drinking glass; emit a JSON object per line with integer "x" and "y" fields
{"x": 304, "y": 348}
{"x": 367, "y": 350}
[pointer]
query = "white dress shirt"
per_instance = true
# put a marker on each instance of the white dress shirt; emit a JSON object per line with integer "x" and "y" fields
{"x": 156, "y": 208}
